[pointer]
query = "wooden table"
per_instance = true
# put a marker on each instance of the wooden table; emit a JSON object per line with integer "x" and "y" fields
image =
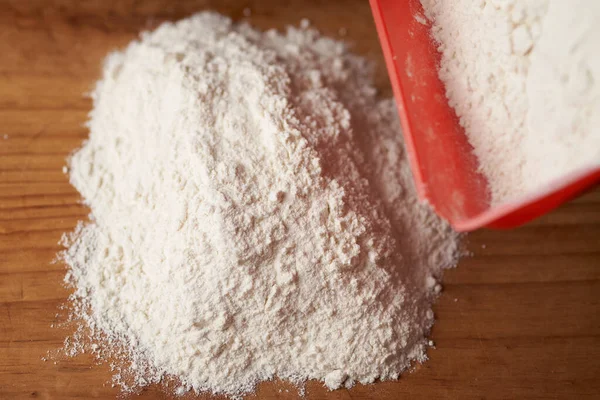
{"x": 519, "y": 319}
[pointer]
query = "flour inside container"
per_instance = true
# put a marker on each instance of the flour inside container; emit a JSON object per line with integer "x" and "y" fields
{"x": 523, "y": 77}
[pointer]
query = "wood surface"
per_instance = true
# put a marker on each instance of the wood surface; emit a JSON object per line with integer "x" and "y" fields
{"x": 519, "y": 319}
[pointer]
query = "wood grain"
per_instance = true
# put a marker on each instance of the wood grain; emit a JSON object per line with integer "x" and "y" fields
{"x": 518, "y": 319}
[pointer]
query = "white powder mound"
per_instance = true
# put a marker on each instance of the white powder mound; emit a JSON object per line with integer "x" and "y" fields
{"x": 524, "y": 79}
{"x": 253, "y": 214}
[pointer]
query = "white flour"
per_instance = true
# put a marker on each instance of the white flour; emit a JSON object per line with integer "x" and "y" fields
{"x": 524, "y": 78}
{"x": 253, "y": 214}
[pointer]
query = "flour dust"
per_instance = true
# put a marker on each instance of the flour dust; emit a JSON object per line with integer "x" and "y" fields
{"x": 252, "y": 215}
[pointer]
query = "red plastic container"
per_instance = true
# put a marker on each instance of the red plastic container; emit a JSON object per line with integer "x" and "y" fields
{"x": 444, "y": 167}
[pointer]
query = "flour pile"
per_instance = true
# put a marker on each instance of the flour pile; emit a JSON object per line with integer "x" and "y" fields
{"x": 524, "y": 78}
{"x": 253, "y": 214}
